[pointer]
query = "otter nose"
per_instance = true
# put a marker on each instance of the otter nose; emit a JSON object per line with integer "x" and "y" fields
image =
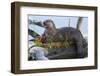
{"x": 45, "y": 26}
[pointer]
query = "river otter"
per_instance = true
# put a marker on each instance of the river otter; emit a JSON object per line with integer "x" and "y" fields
{"x": 62, "y": 35}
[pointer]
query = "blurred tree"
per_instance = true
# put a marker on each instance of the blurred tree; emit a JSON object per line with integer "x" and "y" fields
{"x": 79, "y": 23}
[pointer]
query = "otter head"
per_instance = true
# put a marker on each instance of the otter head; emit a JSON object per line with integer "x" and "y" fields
{"x": 49, "y": 25}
